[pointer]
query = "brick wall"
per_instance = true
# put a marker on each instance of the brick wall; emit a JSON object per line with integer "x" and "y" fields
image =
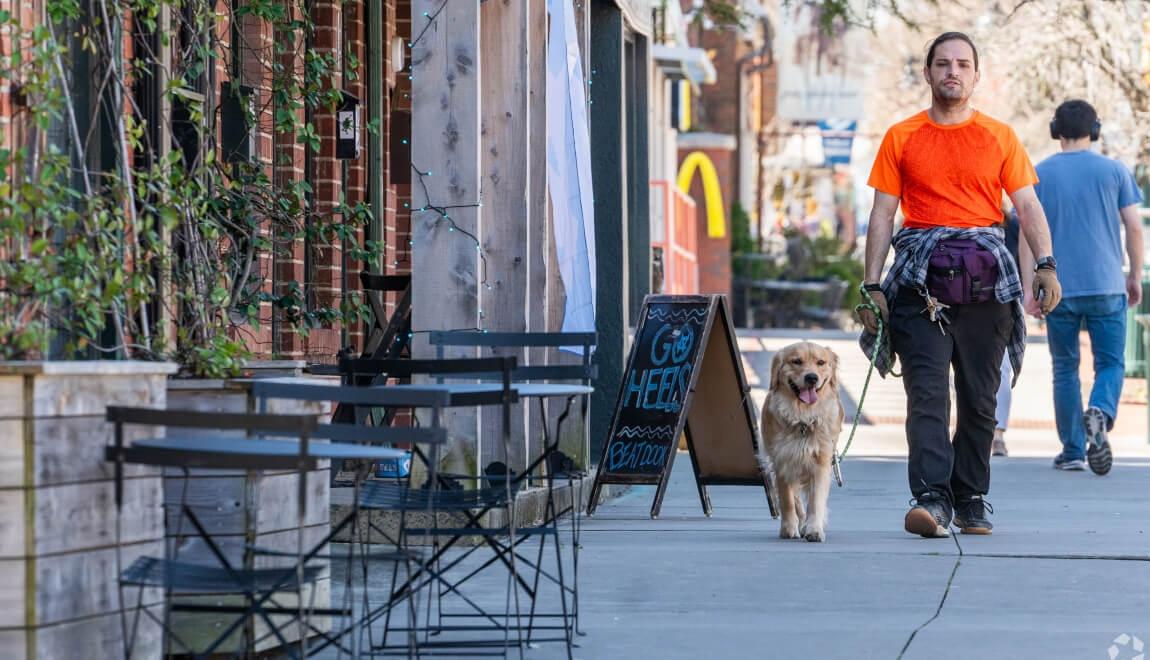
{"x": 288, "y": 168}
{"x": 717, "y": 110}
{"x": 7, "y": 107}
{"x": 342, "y": 30}
{"x": 714, "y": 254}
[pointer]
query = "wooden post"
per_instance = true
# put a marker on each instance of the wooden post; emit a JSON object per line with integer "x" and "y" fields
{"x": 505, "y": 126}
{"x": 445, "y": 151}
{"x": 538, "y": 227}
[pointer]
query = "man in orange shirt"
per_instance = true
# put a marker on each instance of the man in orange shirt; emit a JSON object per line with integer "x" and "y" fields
{"x": 954, "y": 292}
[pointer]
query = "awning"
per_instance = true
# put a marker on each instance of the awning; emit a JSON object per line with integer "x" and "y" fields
{"x": 684, "y": 63}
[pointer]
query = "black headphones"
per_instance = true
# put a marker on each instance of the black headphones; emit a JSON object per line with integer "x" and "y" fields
{"x": 1095, "y": 129}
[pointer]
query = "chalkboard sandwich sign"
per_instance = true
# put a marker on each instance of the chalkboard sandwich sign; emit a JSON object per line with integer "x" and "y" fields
{"x": 683, "y": 377}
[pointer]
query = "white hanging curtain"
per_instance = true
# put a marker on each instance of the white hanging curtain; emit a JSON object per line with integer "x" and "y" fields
{"x": 569, "y": 168}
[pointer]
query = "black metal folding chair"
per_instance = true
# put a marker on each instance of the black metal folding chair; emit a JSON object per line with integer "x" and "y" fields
{"x": 467, "y": 508}
{"x": 232, "y": 441}
{"x": 388, "y": 337}
{"x": 551, "y": 463}
{"x": 356, "y": 425}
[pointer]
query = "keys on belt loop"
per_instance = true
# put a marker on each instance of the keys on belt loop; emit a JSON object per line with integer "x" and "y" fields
{"x": 935, "y": 311}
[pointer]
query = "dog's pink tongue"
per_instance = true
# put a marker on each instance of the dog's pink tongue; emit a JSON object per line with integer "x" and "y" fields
{"x": 808, "y": 396}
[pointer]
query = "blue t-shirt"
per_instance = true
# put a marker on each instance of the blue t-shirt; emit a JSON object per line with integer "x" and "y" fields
{"x": 1081, "y": 193}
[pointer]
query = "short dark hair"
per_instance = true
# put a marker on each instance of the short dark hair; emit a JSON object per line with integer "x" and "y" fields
{"x": 950, "y": 36}
{"x": 1075, "y": 118}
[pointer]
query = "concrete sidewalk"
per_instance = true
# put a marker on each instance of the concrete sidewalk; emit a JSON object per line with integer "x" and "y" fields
{"x": 1066, "y": 572}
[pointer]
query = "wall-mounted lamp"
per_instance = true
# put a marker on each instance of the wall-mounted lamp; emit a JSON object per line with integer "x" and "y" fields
{"x": 398, "y": 52}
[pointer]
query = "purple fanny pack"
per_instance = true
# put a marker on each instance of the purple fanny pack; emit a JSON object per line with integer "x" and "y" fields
{"x": 961, "y": 272}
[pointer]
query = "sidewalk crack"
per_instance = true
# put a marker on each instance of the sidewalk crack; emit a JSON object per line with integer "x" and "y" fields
{"x": 941, "y": 602}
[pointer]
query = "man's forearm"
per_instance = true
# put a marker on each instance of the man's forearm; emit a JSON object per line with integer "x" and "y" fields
{"x": 1134, "y": 251}
{"x": 878, "y": 235}
{"x": 1032, "y": 221}
{"x": 1025, "y": 265}
{"x": 1133, "y": 238}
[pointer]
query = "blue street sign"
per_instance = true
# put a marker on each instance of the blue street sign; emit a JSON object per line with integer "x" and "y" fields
{"x": 838, "y": 134}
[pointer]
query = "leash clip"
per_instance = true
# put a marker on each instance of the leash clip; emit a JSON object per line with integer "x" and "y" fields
{"x": 836, "y": 466}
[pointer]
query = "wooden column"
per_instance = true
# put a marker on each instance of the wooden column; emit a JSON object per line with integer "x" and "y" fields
{"x": 505, "y": 127}
{"x": 539, "y": 252}
{"x": 445, "y": 147}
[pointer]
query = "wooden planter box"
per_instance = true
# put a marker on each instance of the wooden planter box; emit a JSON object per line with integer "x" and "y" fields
{"x": 60, "y": 551}
{"x": 244, "y": 508}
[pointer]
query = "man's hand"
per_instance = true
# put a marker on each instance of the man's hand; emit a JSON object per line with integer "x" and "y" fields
{"x": 1030, "y": 306}
{"x": 866, "y": 315}
{"x": 1047, "y": 290}
{"x": 1133, "y": 289}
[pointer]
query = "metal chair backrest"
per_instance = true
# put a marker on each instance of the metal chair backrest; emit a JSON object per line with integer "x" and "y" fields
{"x": 584, "y": 372}
{"x": 305, "y": 390}
{"x": 253, "y": 423}
{"x": 460, "y": 368}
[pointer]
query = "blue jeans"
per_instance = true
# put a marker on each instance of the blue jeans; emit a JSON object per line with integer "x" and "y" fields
{"x": 1105, "y": 320}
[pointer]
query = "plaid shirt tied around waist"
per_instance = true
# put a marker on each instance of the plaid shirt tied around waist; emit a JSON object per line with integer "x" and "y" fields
{"x": 912, "y": 250}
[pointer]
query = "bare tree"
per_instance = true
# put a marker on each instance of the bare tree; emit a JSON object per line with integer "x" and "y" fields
{"x": 1089, "y": 49}
{"x": 1034, "y": 55}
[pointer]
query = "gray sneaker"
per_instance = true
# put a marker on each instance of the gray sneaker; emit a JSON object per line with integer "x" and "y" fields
{"x": 1097, "y": 446}
{"x": 929, "y": 516}
{"x": 1069, "y": 464}
{"x": 970, "y": 515}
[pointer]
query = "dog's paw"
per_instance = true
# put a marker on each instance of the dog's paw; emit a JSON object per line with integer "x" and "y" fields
{"x": 814, "y": 535}
{"x": 788, "y": 531}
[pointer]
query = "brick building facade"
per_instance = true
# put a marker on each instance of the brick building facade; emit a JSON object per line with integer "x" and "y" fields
{"x": 367, "y": 39}
{"x": 733, "y": 121}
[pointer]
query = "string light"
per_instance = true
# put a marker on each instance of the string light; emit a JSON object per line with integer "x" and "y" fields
{"x": 445, "y": 216}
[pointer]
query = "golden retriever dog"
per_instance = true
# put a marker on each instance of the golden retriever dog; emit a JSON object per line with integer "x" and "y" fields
{"x": 801, "y": 421}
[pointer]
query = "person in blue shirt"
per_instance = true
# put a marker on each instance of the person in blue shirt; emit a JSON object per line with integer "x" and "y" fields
{"x": 1088, "y": 199}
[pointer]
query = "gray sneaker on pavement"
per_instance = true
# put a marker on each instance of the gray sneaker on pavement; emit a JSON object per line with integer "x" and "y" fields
{"x": 1069, "y": 464}
{"x": 1098, "y": 453}
{"x": 929, "y": 516}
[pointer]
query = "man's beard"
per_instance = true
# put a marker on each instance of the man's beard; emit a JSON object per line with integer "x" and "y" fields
{"x": 950, "y": 96}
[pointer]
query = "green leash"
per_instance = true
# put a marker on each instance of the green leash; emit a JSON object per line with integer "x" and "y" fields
{"x": 868, "y": 303}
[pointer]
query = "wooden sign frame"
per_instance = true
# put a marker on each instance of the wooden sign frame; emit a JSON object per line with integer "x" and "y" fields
{"x": 713, "y": 426}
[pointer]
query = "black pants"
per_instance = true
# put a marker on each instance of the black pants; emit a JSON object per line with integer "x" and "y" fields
{"x": 974, "y": 343}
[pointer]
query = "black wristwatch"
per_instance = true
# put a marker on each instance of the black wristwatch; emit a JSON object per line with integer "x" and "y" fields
{"x": 1046, "y": 262}
{"x": 872, "y": 287}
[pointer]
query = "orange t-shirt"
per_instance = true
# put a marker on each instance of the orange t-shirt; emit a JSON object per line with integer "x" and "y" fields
{"x": 953, "y": 175}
